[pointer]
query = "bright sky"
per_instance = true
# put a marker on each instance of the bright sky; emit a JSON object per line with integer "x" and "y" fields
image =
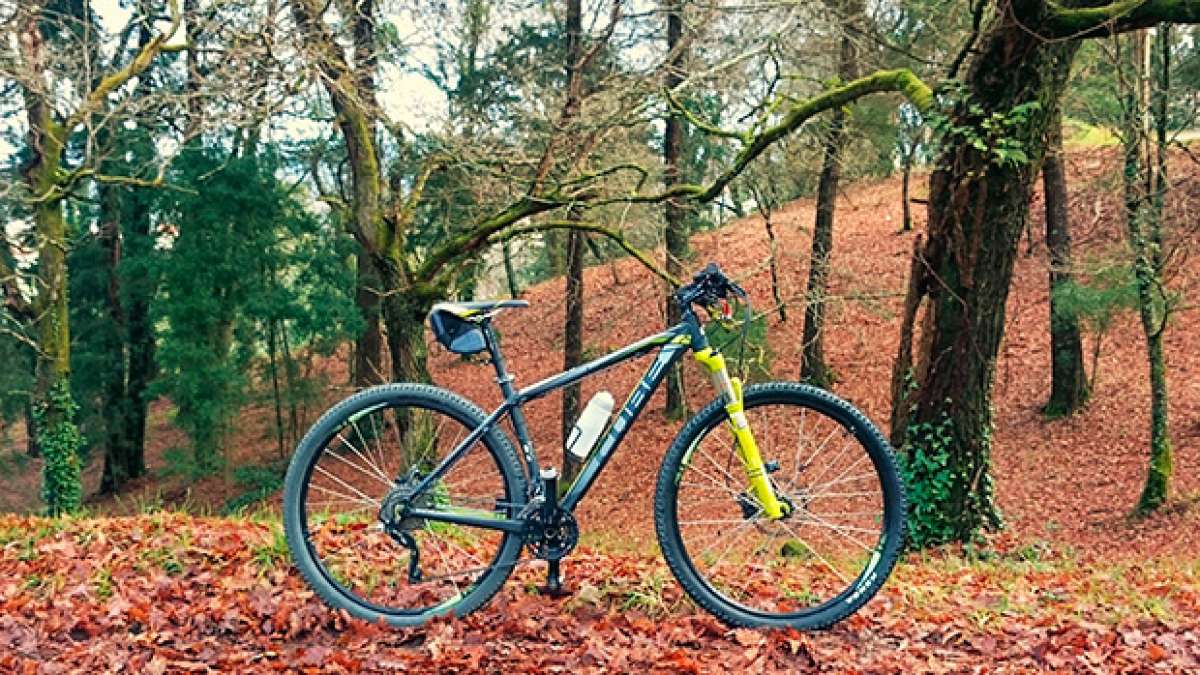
{"x": 405, "y": 95}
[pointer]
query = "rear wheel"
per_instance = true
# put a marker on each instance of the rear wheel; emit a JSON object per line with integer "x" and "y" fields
{"x": 815, "y": 566}
{"x": 348, "y": 487}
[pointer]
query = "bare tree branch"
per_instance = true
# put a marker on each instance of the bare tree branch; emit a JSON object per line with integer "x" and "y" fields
{"x": 616, "y": 235}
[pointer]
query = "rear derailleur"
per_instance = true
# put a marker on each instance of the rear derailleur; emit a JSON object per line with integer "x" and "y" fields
{"x": 393, "y": 515}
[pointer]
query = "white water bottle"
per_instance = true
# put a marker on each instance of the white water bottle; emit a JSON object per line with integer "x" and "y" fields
{"x": 589, "y": 425}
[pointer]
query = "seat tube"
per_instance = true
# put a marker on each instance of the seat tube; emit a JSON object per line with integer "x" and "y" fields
{"x": 516, "y": 414}
{"x": 731, "y": 392}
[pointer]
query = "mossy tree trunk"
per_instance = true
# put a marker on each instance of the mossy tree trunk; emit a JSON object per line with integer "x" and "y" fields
{"x": 1144, "y": 140}
{"x": 53, "y": 407}
{"x": 1068, "y": 381}
{"x": 47, "y": 178}
{"x": 404, "y": 317}
{"x": 368, "y": 347}
{"x": 978, "y": 206}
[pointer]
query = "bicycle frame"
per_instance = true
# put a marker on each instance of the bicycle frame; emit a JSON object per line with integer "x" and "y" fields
{"x": 671, "y": 344}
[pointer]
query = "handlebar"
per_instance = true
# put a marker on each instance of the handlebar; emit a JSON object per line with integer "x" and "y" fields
{"x": 708, "y": 286}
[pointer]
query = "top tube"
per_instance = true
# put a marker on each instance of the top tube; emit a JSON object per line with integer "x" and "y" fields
{"x": 538, "y": 389}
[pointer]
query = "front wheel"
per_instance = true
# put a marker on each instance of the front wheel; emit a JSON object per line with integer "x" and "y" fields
{"x": 822, "y": 561}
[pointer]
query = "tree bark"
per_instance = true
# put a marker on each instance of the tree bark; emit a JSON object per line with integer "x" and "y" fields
{"x": 1145, "y": 185}
{"x": 114, "y": 403}
{"x": 368, "y": 358}
{"x": 1068, "y": 381}
{"x": 903, "y": 376}
{"x": 977, "y": 210}
{"x": 53, "y": 407}
{"x": 140, "y": 284}
{"x": 573, "y": 319}
{"x": 351, "y": 89}
{"x": 676, "y": 230}
{"x": 404, "y": 318}
{"x": 572, "y": 346}
{"x": 905, "y": 184}
{"x": 510, "y": 274}
{"x": 813, "y": 368}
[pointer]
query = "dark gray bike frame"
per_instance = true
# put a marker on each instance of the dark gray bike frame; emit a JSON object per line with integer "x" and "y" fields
{"x": 670, "y": 352}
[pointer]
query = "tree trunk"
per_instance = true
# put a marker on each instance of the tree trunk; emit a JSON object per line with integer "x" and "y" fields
{"x": 905, "y": 184}
{"x": 54, "y": 408}
{"x": 368, "y": 359}
{"x": 140, "y": 284}
{"x": 510, "y": 275}
{"x": 114, "y": 404}
{"x": 1145, "y": 185}
{"x": 572, "y": 347}
{"x": 903, "y": 376}
{"x": 404, "y": 315}
{"x": 676, "y": 231}
{"x": 31, "y": 446}
{"x": 813, "y": 368}
{"x": 1068, "y": 381}
{"x": 978, "y": 205}
{"x": 573, "y": 320}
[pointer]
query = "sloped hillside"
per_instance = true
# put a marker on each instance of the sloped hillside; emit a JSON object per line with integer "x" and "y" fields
{"x": 1069, "y": 482}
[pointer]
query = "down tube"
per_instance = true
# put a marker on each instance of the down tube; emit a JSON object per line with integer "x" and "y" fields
{"x": 629, "y": 412}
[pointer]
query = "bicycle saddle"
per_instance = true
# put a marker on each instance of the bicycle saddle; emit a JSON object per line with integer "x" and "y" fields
{"x": 478, "y": 309}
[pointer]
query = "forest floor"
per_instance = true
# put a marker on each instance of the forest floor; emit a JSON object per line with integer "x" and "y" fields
{"x": 169, "y": 592}
{"x": 1073, "y": 583}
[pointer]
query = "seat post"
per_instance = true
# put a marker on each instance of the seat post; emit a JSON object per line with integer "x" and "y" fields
{"x": 516, "y": 415}
{"x": 503, "y": 378}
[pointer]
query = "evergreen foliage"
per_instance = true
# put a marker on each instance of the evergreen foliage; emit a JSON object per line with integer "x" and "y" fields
{"x": 246, "y": 254}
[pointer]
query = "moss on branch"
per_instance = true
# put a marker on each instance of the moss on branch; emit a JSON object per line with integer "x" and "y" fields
{"x": 900, "y": 80}
{"x": 1117, "y": 17}
{"x": 484, "y": 233}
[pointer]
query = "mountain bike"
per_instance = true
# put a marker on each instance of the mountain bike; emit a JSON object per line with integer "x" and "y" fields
{"x": 406, "y": 501}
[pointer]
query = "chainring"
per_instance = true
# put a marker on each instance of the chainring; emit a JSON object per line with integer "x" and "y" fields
{"x": 553, "y": 538}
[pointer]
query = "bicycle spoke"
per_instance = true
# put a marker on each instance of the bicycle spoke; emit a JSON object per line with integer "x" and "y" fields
{"x": 845, "y": 446}
{"x": 727, "y": 533}
{"x": 816, "y": 553}
{"x": 803, "y": 561}
{"x": 378, "y": 470}
{"x": 343, "y": 496}
{"x": 346, "y": 485}
{"x": 376, "y": 474}
{"x": 715, "y": 521}
{"x": 841, "y": 531}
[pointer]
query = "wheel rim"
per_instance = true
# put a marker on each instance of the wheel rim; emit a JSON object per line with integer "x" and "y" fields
{"x": 826, "y": 551}
{"x": 373, "y": 454}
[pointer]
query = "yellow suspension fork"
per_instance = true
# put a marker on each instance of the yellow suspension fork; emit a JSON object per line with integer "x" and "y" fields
{"x": 731, "y": 390}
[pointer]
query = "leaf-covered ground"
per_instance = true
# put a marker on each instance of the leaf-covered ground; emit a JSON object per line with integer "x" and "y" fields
{"x": 171, "y": 593}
